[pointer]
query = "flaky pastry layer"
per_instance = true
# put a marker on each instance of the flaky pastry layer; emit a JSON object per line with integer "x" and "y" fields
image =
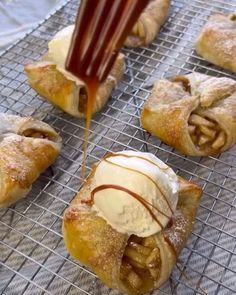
{"x": 149, "y": 23}
{"x": 27, "y": 148}
{"x": 70, "y": 96}
{"x": 217, "y": 41}
{"x": 194, "y": 113}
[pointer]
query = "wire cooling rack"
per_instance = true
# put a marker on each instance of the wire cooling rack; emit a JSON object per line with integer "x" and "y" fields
{"x": 33, "y": 259}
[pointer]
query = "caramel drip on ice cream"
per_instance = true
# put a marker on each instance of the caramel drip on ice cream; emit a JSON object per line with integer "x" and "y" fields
{"x": 134, "y": 170}
{"x": 149, "y": 161}
{"x": 140, "y": 199}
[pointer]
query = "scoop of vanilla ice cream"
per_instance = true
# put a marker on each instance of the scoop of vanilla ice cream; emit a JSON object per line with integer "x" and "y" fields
{"x": 58, "y": 48}
{"x": 143, "y": 174}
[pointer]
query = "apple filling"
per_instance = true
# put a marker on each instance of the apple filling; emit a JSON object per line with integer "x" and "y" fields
{"x": 141, "y": 263}
{"x": 83, "y": 100}
{"x": 205, "y": 132}
{"x": 36, "y": 134}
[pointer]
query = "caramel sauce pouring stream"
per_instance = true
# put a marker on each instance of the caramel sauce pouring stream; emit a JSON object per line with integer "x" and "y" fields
{"x": 100, "y": 30}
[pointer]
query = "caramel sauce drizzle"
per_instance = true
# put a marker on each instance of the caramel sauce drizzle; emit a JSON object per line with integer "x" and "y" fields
{"x": 143, "y": 158}
{"x": 132, "y": 194}
{"x": 92, "y": 92}
{"x": 145, "y": 176}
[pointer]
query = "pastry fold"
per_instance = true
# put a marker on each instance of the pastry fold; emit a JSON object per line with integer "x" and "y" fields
{"x": 217, "y": 41}
{"x": 27, "y": 148}
{"x": 68, "y": 94}
{"x": 128, "y": 263}
{"x": 195, "y": 113}
{"x": 148, "y": 24}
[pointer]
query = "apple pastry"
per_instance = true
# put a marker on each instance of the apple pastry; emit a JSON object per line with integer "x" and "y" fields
{"x": 50, "y": 79}
{"x": 130, "y": 221}
{"x": 217, "y": 41}
{"x": 194, "y": 113}
{"x": 149, "y": 23}
{"x": 27, "y": 148}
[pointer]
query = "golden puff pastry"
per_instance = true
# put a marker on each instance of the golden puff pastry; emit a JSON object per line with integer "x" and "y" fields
{"x": 122, "y": 260}
{"x": 217, "y": 41}
{"x": 149, "y": 23}
{"x": 68, "y": 94}
{"x": 195, "y": 113}
{"x": 27, "y": 148}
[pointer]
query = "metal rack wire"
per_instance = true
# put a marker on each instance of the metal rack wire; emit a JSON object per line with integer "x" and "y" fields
{"x": 33, "y": 259}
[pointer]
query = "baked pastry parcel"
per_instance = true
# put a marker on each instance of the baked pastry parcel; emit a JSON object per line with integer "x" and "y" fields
{"x": 49, "y": 78}
{"x": 194, "y": 113}
{"x": 27, "y": 148}
{"x": 149, "y": 23}
{"x": 130, "y": 221}
{"x": 217, "y": 41}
